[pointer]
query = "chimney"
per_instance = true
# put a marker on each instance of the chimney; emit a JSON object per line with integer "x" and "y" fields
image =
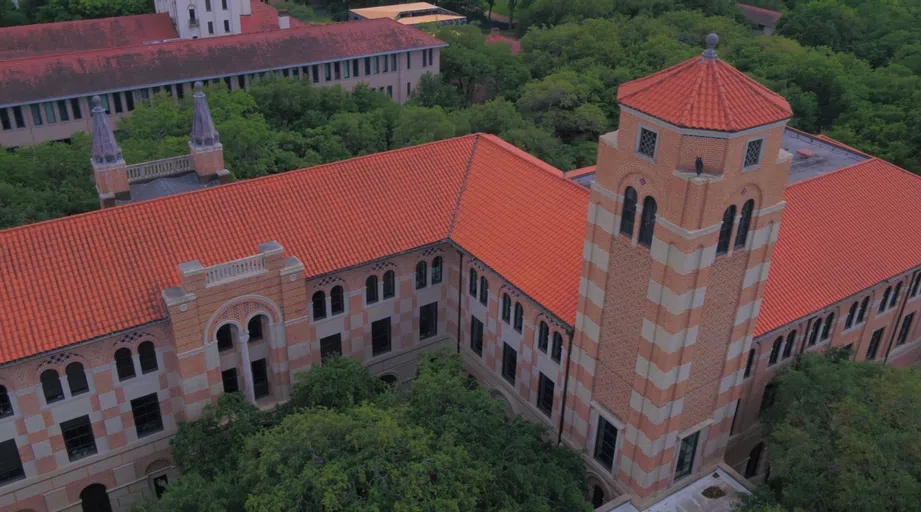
{"x": 205, "y": 144}
{"x": 109, "y": 169}
{"x": 284, "y": 19}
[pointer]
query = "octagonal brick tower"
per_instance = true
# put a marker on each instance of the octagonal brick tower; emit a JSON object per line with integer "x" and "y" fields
{"x": 684, "y": 214}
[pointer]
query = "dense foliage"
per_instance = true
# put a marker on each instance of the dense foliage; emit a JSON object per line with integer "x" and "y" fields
{"x": 346, "y": 441}
{"x": 842, "y": 436}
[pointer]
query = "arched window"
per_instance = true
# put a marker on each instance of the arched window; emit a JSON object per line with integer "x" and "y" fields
{"x": 76, "y": 379}
{"x": 124, "y": 366}
{"x": 788, "y": 348}
{"x": 506, "y": 308}
{"x": 754, "y": 460}
{"x": 484, "y": 290}
{"x": 749, "y": 363}
{"x": 51, "y": 386}
{"x": 863, "y": 310}
{"x": 628, "y": 214}
{"x": 729, "y": 217}
{"x": 390, "y": 285}
{"x": 814, "y": 335}
{"x": 336, "y": 301}
{"x": 6, "y": 406}
{"x": 254, "y": 327}
{"x": 225, "y": 337}
{"x": 557, "y": 353}
{"x": 885, "y": 302}
{"x": 895, "y": 295}
{"x": 371, "y": 290}
{"x": 597, "y": 496}
{"x": 422, "y": 277}
{"x": 829, "y": 324}
{"x": 543, "y": 337}
{"x": 775, "y": 350}
{"x": 767, "y": 399}
{"x": 319, "y": 305}
{"x": 849, "y": 321}
{"x": 745, "y": 222}
{"x": 915, "y": 283}
{"x": 148, "y": 355}
{"x": 648, "y": 224}
{"x": 436, "y": 270}
{"x": 519, "y": 317}
{"x": 95, "y": 498}
{"x": 473, "y": 280}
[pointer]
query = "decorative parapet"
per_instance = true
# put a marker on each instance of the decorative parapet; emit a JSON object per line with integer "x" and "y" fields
{"x": 234, "y": 270}
{"x": 172, "y": 166}
{"x": 194, "y": 274}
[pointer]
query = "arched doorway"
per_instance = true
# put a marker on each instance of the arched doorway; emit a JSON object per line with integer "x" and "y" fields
{"x": 754, "y": 460}
{"x": 389, "y": 379}
{"x": 597, "y": 496}
{"x": 94, "y": 498}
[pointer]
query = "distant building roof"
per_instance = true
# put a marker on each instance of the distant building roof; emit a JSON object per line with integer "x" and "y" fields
{"x": 264, "y": 18}
{"x": 760, "y": 15}
{"x": 415, "y": 13}
{"x": 85, "y": 35}
{"x": 78, "y": 74}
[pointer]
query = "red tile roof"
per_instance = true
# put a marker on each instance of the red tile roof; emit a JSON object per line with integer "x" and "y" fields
{"x": 79, "y": 74}
{"x": 705, "y": 94}
{"x": 264, "y": 18}
{"x": 84, "y": 35}
{"x": 81, "y": 277}
{"x": 760, "y": 15}
{"x": 827, "y": 252}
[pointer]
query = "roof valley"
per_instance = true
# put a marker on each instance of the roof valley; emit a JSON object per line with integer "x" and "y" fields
{"x": 463, "y": 187}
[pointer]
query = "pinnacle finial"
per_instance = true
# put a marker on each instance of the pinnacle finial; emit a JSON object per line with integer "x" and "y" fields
{"x": 97, "y": 102}
{"x": 712, "y": 41}
{"x": 106, "y": 150}
{"x": 204, "y": 134}
{"x": 198, "y": 86}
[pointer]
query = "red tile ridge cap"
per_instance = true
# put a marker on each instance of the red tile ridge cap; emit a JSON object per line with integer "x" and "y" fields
{"x": 691, "y": 97}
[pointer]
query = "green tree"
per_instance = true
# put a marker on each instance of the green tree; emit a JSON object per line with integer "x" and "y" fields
{"x": 433, "y": 91}
{"x": 418, "y": 125}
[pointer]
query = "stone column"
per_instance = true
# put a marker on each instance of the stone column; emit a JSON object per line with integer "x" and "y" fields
{"x": 247, "y": 369}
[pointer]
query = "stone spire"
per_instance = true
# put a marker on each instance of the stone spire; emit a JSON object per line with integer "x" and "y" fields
{"x": 203, "y": 132}
{"x": 710, "y": 52}
{"x": 105, "y": 150}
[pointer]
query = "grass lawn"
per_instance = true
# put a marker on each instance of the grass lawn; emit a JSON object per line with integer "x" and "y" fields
{"x": 501, "y": 7}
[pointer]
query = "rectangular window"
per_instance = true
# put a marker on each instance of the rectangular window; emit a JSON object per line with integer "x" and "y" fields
{"x": 409, "y": 60}
{"x": 260, "y": 378}
{"x": 393, "y": 62}
{"x": 17, "y": 116}
{"x": 337, "y": 71}
{"x": 509, "y": 363}
{"x": 224, "y": 4}
{"x": 210, "y": 26}
{"x": 646, "y": 145}
{"x": 380, "y": 336}
{"x": 906, "y": 328}
{"x": 49, "y": 113}
{"x": 62, "y": 111}
{"x": 146, "y": 411}
{"x": 129, "y": 100}
{"x": 78, "y": 437}
{"x": 424, "y": 59}
{"x": 355, "y": 68}
{"x": 428, "y": 320}
{"x": 229, "y": 378}
{"x": 160, "y": 484}
{"x": 315, "y": 71}
{"x": 605, "y": 443}
{"x": 10, "y": 463}
{"x": 545, "y": 389}
{"x": 5, "y": 119}
{"x": 226, "y": 25}
{"x": 686, "y": 453}
{"x": 386, "y": 64}
{"x": 329, "y": 71}
{"x": 347, "y": 70}
{"x": 476, "y": 335}
{"x": 390, "y": 91}
{"x": 377, "y": 64}
{"x": 241, "y": 83}
{"x": 431, "y": 53}
{"x": 117, "y": 99}
{"x": 331, "y": 346}
{"x": 874, "y": 344}
{"x": 143, "y": 94}
{"x": 367, "y": 66}
{"x": 408, "y": 91}
{"x": 36, "y": 114}
{"x": 753, "y": 153}
{"x": 208, "y": 5}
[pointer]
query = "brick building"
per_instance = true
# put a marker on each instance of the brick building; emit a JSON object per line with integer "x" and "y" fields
{"x": 627, "y": 306}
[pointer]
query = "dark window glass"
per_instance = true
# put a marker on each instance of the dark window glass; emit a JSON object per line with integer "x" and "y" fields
{"x": 428, "y": 320}
{"x": 315, "y": 73}
{"x": 390, "y": 287}
{"x": 386, "y": 66}
{"x": 371, "y": 290}
{"x": 160, "y": 484}
{"x": 336, "y": 300}
{"x": 827, "y": 328}
{"x": 260, "y": 378}
{"x": 36, "y": 115}
{"x": 775, "y": 350}
{"x": 509, "y": 363}
{"x": 648, "y": 222}
{"x": 377, "y": 64}
{"x": 393, "y": 62}
{"x": 225, "y": 338}
{"x": 484, "y": 290}
{"x": 814, "y": 334}
{"x": 229, "y": 378}
{"x": 628, "y": 214}
{"x": 146, "y": 411}
{"x": 65, "y": 116}
{"x": 557, "y": 353}
{"x": 224, "y": 4}
{"x": 226, "y": 26}
{"x": 519, "y": 317}
{"x": 148, "y": 357}
{"x": 874, "y": 344}
{"x": 6, "y": 406}
{"x": 749, "y": 363}
{"x": 437, "y": 267}
{"x": 319, "y": 305}
{"x": 75, "y": 107}
{"x": 895, "y": 295}
{"x": 686, "y": 453}
{"x": 94, "y": 498}
{"x": 367, "y": 66}
{"x": 51, "y": 386}
{"x": 754, "y": 459}
{"x": 885, "y": 302}
{"x": 745, "y": 222}
{"x": 10, "y": 463}
{"x": 753, "y": 153}
{"x": 647, "y": 143}
{"x": 905, "y": 329}
{"x": 210, "y": 31}
{"x": 729, "y": 216}
{"x": 208, "y": 5}
{"x": 767, "y": 399}
{"x": 409, "y": 60}
{"x": 863, "y": 310}
{"x": 543, "y": 337}
{"x": 117, "y": 99}
{"x": 473, "y": 282}
{"x": 849, "y": 321}
{"x": 605, "y": 443}
{"x": 241, "y": 83}
{"x": 17, "y": 116}
{"x": 421, "y": 275}
{"x": 431, "y": 53}
{"x": 408, "y": 89}
{"x": 49, "y": 113}
{"x": 129, "y": 100}
{"x": 916, "y": 282}
{"x": 337, "y": 71}
{"x": 545, "y": 394}
{"x": 380, "y": 336}
{"x": 355, "y": 68}
{"x": 254, "y": 327}
{"x": 476, "y": 335}
{"x": 597, "y": 497}
{"x": 506, "y": 308}
{"x": 330, "y": 346}
{"x": 328, "y": 74}
{"x": 390, "y": 91}
{"x": 76, "y": 379}
{"x": 78, "y": 438}
{"x": 124, "y": 365}
{"x": 788, "y": 348}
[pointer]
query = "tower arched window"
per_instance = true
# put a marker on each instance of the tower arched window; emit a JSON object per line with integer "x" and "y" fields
{"x": 506, "y": 308}
{"x": 895, "y": 295}
{"x": 745, "y": 222}
{"x": 775, "y": 350}
{"x": 484, "y": 290}
{"x": 390, "y": 284}
{"x": 224, "y": 337}
{"x": 814, "y": 335}
{"x": 336, "y": 301}
{"x": 371, "y": 290}
{"x": 827, "y": 328}
{"x": 124, "y": 365}
{"x": 729, "y": 217}
{"x": 51, "y": 386}
{"x": 253, "y": 327}
{"x": 543, "y": 337}
{"x": 473, "y": 282}
{"x": 519, "y": 317}
{"x": 6, "y": 406}
{"x": 648, "y": 223}
{"x": 915, "y": 283}
{"x": 319, "y": 305}
{"x": 851, "y": 313}
{"x": 628, "y": 213}
{"x": 862, "y": 315}
{"x": 750, "y": 363}
{"x": 422, "y": 277}
{"x": 885, "y": 302}
{"x": 556, "y": 353}
{"x": 147, "y": 354}
{"x": 76, "y": 379}
{"x": 437, "y": 268}
{"x": 788, "y": 348}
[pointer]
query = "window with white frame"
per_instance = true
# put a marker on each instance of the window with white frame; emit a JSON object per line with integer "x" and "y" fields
{"x": 753, "y": 153}
{"x": 686, "y": 452}
{"x": 646, "y": 145}
{"x": 605, "y": 443}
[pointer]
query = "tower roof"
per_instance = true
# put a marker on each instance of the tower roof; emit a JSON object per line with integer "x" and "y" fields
{"x": 705, "y": 93}
{"x": 204, "y": 134}
{"x": 105, "y": 149}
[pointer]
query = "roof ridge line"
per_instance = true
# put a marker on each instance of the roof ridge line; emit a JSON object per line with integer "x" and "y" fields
{"x": 654, "y": 79}
{"x": 721, "y": 93}
{"x": 692, "y": 98}
{"x": 463, "y": 188}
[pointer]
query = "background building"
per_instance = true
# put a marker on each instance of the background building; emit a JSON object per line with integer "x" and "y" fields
{"x": 416, "y": 13}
